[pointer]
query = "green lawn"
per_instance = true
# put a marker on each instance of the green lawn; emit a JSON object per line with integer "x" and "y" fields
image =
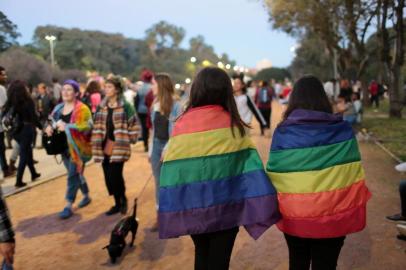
{"x": 391, "y": 132}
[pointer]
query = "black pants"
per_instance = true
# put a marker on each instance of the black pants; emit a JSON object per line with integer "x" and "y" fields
{"x": 113, "y": 175}
{"x": 375, "y": 99}
{"x": 24, "y": 139}
{"x": 402, "y": 192}
{"x": 213, "y": 250}
{"x": 266, "y": 113}
{"x": 3, "y": 160}
{"x": 322, "y": 254}
{"x": 145, "y": 130}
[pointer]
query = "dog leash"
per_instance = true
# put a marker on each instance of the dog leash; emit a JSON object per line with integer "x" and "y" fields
{"x": 145, "y": 186}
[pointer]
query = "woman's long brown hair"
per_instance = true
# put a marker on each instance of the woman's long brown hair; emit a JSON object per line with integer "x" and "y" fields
{"x": 166, "y": 93}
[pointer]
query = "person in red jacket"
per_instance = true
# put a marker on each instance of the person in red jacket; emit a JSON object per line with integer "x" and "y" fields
{"x": 374, "y": 91}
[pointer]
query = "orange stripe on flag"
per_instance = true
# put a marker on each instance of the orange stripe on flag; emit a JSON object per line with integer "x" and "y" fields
{"x": 308, "y": 205}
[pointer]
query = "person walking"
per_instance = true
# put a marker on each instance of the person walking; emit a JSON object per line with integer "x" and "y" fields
{"x": 74, "y": 119}
{"x": 316, "y": 168}
{"x": 7, "y": 171}
{"x": 245, "y": 105}
{"x": 20, "y": 107}
{"x": 141, "y": 106}
{"x": 115, "y": 128}
{"x": 164, "y": 111}
{"x": 7, "y": 240}
{"x": 263, "y": 99}
{"x": 212, "y": 178}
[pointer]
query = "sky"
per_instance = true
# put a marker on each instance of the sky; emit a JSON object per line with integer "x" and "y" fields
{"x": 239, "y": 28}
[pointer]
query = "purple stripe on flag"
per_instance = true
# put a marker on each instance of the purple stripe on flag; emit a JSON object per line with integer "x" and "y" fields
{"x": 256, "y": 214}
{"x": 300, "y": 116}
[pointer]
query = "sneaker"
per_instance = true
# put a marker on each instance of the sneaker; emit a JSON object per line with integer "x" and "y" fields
{"x": 85, "y": 201}
{"x": 35, "y": 176}
{"x": 401, "y": 167}
{"x": 66, "y": 213}
{"x": 20, "y": 185}
{"x": 396, "y": 217}
{"x": 114, "y": 210}
{"x": 402, "y": 231}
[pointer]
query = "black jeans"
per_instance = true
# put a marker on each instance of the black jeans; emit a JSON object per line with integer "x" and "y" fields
{"x": 145, "y": 130}
{"x": 402, "y": 192}
{"x": 322, "y": 254}
{"x": 213, "y": 250}
{"x": 113, "y": 176}
{"x": 3, "y": 160}
{"x": 375, "y": 99}
{"x": 24, "y": 138}
{"x": 266, "y": 113}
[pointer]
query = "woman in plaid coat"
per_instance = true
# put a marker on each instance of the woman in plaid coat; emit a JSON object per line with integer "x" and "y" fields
{"x": 115, "y": 128}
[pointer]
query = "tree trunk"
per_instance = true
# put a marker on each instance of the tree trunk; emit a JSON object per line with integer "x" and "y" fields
{"x": 395, "y": 102}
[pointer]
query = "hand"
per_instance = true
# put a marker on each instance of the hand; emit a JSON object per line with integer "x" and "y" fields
{"x": 60, "y": 125}
{"x": 7, "y": 251}
{"x": 49, "y": 130}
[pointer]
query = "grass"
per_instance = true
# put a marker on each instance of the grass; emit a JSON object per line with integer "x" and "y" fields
{"x": 391, "y": 132}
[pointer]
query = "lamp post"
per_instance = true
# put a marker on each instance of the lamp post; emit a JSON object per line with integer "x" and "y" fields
{"x": 51, "y": 40}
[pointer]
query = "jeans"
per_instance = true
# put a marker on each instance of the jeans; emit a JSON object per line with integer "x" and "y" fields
{"x": 322, "y": 254}
{"x": 145, "y": 130}
{"x": 113, "y": 176}
{"x": 24, "y": 139}
{"x": 402, "y": 192}
{"x": 156, "y": 163}
{"x": 375, "y": 99}
{"x": 213, "y": 250}
{"x": 3, "y": 160}
{"x": 76, "y": 180}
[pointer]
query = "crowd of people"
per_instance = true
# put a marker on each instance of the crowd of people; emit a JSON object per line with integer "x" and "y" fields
{"x": 209, "y": 177}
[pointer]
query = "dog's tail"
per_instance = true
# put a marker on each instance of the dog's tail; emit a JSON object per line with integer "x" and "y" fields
{"x": 135, "y": 208}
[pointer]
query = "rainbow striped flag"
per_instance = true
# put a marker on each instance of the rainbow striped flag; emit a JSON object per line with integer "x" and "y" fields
{"x": 212, "y": 181}
{"x": 316, "y": 168}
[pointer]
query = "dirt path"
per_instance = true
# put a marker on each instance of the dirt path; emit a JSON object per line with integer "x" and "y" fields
{"x": 45, "y": 242}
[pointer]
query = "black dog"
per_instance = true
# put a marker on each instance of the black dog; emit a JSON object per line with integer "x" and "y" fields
{"x": 119, "y": 233}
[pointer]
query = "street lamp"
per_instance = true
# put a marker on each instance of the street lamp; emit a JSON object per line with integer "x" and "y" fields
{"x": 51, "y": 40}
{"x": 188, "y": 80}
{"x": 228, "y": 66}
{"x": 220, "y": 64}
{"x": 193, "y": 59}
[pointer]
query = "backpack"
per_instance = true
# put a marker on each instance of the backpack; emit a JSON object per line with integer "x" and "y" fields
{"x": 264, "y": 96}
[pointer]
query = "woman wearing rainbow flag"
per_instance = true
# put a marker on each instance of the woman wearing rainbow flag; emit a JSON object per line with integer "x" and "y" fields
{"x": 212, "y": 178}
{"x": 315, "y": 166}
{"x": 75, "y": 119}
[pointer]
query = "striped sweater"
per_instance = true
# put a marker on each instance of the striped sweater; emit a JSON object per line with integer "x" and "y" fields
{"x": 316, "y": 168}
{"x": 126, "y": 130}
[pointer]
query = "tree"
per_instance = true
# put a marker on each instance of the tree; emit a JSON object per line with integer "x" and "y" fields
{"x": 24, "y": 66}
{"x": 278, "y": 74}
{"x": 8, "y": 33}
{"x": 393, "y": 60}
{"x": 342, "y": 25}
{"x": 312, "y": 58}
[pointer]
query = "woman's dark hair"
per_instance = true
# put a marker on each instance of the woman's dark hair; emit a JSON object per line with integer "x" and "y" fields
{"x": 308, "y": 94}
{"x": 93, "y": 87}
{"x": 118, "y": 84}
{"x": 18, "y": 95}
{"x": 212, "y": 86}
{"x": 241, "y": 78}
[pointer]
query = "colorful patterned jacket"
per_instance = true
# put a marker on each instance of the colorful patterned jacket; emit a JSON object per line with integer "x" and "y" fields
{"x": 78, "y": 132}
{"x": 126, "y": 130}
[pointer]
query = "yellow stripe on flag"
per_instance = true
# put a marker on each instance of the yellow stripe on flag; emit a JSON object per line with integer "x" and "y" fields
{"x": 335, "y": 177}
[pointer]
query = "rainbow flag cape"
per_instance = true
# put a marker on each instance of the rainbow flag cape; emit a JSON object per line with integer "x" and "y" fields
{"x": 212, "y": 181}
{"x": 316, "y": 168}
